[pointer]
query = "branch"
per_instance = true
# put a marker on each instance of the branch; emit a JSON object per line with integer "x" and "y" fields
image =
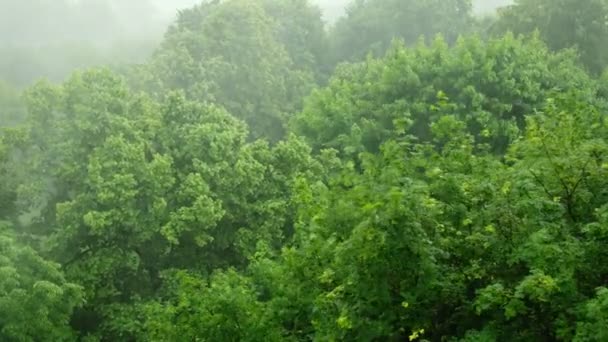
{"x": 564, "y": 184}
{"x": 539, "y": 181}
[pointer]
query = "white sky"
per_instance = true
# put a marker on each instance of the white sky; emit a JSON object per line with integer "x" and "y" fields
{"x": 331, "y": 8}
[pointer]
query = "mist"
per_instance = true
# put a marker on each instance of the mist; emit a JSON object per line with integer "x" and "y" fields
{"x": 104, "y": 21}
{"x": 333, "y": 9}
{"x": 48, "y": 38}
{"x": 303, "y": 170}
{"x": 485, "y": 7}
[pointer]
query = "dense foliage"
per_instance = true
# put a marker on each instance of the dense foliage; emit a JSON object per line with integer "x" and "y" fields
{"x": 450, "y": 188}
{"x": 489, "y": 86}
{"x": 35, "y": 299}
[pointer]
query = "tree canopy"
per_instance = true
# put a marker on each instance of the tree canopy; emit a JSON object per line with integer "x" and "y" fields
{"x": 371, "y": 25}
{"x": 219, "y": 49}
{"x": 35, "y": 299}
{"x": 262, "y": 176}
{"x": 490, "y": 86}
{"x": 563, "y": 24}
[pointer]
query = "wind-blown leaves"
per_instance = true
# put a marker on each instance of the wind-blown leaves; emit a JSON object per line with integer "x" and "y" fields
{"x": 449, "y": 191}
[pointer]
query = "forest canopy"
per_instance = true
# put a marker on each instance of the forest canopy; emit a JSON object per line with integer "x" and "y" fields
{"x": 263, "y": 171}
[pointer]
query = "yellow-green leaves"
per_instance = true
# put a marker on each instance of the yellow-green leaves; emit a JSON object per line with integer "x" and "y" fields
{"x": 416, "y": 334}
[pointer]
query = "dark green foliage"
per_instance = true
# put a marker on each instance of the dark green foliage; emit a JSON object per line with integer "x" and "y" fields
{"x": 594, "y": 325}
{"x": 223, "y": 309}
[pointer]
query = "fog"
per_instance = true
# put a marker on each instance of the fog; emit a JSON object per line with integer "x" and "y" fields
{"x": 488, "y": 6}
{"x": 103, "y": 21}
{"x": 303, "y": 170}
{"x": 333, "y": 9}
{"x": 49, "y": 38}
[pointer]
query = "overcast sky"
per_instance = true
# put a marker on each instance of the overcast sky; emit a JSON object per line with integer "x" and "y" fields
{"x": 331, "y": 8}
{"x": 105, "y": 21}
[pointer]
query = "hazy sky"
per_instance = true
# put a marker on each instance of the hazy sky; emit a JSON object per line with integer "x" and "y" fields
{"x": 331, "y": 8}
{"x": 103, "y": 21}
{"x": 486, "y": 6}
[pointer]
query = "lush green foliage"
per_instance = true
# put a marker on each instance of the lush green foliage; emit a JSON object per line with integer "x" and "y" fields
{"x": 35, "y": 299}
{"x": 125, "y": 187}
{"x": 490, "y": 86}
{"x": 455, "y": 190}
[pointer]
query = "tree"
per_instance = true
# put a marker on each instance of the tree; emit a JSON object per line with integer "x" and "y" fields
{"x": 36, "y": 302}
{"x": 302, "y": 32}
{"x": 11, "y": 108}
{"x": 371, "y": 25}
{"x": 229, "y": 53}
{"x": 440, "y": 240}
{"x": 224, "y": 308}
{"x": 490, "y": 85}
{"x": 12, "y": 113}
{"x": 593, "y": 327}
{"x": 556, "y": 208}
{"x": 449, "y": 191}
{"x": 562, "y": 24}
{"x": 121, "y": 188}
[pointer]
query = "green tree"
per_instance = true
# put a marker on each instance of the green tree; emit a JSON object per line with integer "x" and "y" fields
{"x": 562, "y": 24}
{"x": 122, "y": 187}
{"x": 442, "y": 240}
{"x": 36, "y": 302}
{"x": 224, "y": 308}
{"x": 551, "y": 213}
{"x": 371, "y": 25}
{"x": 229, "y": 53}
{"x": 489, "y": 85}
{"x": 593, "y": 327}
{"x": 9, "y": 173}
{"x": 443, "y": 192}
{"x": 301, "y": 30}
